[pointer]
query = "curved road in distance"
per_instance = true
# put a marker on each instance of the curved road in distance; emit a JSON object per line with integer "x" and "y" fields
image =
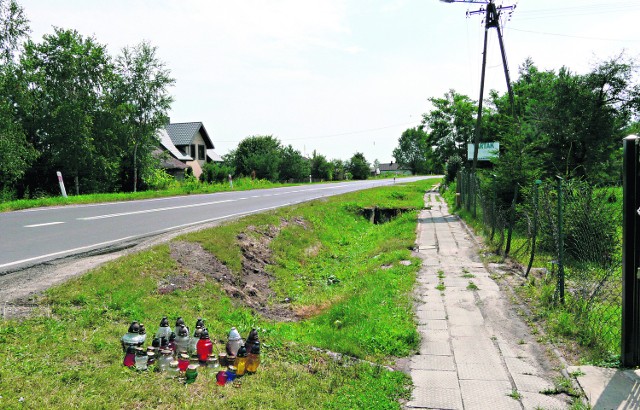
{"x": 34, "y": 236}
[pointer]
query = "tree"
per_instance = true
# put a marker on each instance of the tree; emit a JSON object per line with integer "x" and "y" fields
{"x": 413, "y": 151}
{"x": 141, "y": 91}
{"x": 570, "y": 124}
{"x": 359, "y": 167}
{"x": 450, "y": 125}
{"x": 320, "y": 167}
{"x": 66, "y": 74}
{"x": 339, "y": 170}
{"x": 16, "y": 153}
{"x": 259, "y": 154}
{"x": 293, "y": 165}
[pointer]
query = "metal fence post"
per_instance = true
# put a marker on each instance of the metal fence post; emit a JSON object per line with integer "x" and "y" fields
{"x": 469, "y": 176}
{"x": 630, "y": 354}
{"x": 535, "y": 226}
{"x": 512, "y": 221}
{"x": 560, "y": 243}
{"x": 493, "y": 207}
{"x": 474, "y": 199}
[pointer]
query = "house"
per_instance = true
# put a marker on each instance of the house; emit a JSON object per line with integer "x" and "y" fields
{"x": 193, "y": 143}
{"x": 171, "y": 159}
{"x": 394, "y": 169}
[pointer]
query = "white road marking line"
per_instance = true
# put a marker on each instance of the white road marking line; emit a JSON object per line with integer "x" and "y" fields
{"x": 146, "y": 211}
{"x": 44, "y": 224}
{"x": 35, "y": 258}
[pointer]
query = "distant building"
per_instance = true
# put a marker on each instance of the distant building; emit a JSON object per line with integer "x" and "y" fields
{"x": 394, "y": 168}
{"x": 187, "y": 143}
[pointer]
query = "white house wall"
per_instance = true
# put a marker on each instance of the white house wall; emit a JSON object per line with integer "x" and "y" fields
{"x": 197, "y": 164}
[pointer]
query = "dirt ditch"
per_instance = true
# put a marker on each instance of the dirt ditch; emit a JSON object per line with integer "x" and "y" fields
{"x": 251, "y": 287}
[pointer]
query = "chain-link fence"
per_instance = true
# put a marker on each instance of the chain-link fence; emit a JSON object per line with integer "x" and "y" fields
{"x": 567, "y": 234}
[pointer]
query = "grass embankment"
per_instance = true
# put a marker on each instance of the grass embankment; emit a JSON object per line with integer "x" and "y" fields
{"x": 175, "y": 189}
{"x": 341, "y": 274}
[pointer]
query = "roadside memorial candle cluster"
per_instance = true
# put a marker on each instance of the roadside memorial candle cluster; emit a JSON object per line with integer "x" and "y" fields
{"x": 180, "y": 356}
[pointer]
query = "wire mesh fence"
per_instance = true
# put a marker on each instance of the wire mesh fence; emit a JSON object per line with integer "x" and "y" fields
{"x": 568, "y": 236}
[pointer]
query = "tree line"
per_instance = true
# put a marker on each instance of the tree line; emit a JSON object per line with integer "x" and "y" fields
{"x": 67, "y": 105}
{"x": 264, "y": 157}
{"x": 561, "y": 124}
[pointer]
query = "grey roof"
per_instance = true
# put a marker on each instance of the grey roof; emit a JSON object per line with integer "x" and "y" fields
{"x": 182, "y": 133}
{"x": 214, "y": 156}
{"x": 392, "y": 167}
{"x": 167, "y": 161}
{"x": 166, "y": 142}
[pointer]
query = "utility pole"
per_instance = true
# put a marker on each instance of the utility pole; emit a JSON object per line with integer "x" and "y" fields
{"x": 491, "y": 20}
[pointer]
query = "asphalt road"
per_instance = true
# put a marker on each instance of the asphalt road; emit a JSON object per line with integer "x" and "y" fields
{"x": 36, "y": 236}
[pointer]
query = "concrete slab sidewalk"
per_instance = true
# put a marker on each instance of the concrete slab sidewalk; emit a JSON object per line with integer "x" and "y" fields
{"x": 609, "y": 389}
{"x": 476, "y": 352}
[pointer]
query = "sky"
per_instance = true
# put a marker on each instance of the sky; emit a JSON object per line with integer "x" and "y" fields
{"x": 338, "y": 76}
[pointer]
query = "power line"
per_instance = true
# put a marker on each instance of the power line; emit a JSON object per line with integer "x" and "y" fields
{"x": 572, "y": 36}
{"x": 339, "y": 134}
{"x": 582, "y": 10}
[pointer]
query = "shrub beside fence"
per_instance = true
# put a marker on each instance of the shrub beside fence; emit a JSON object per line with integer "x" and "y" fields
{"x": 567, "y": 234}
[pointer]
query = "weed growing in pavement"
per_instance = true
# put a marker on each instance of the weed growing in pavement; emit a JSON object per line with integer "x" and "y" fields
{"x": 472, "y": 286}
{"x": 468, "y": 276}
{"x": 562, "y": 385}
{"x": 515, "y": 394}
{"x": 577, "y": 373}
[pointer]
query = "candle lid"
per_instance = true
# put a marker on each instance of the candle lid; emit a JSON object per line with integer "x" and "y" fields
{"x": 253, "y": 335}
{"x": 233, "y": 334}
{"x": 164, "y": 322}
{"x": 183, "y": 331}
{"x": 134, "y": 327}
{"x": 174, "y": 363}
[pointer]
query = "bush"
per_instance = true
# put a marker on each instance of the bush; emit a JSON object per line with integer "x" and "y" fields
{"x": 215, "y": 172}
{"x": 158, "y": 179}
{"x": 454, "y": 164}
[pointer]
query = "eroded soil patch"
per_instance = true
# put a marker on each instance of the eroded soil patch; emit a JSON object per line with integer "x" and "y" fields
{"x": 251, "y": 286}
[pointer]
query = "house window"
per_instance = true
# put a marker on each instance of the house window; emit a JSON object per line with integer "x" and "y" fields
{"x": 192, "y": 151}
{"x": 201, "y": 152}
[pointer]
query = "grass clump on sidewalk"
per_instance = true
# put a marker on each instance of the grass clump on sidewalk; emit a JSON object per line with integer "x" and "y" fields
{"x": 309, "y": 278}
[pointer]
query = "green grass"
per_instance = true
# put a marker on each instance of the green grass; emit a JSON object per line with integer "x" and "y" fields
{"x": 176, "y": 189}
{"x": 67, "y": 354}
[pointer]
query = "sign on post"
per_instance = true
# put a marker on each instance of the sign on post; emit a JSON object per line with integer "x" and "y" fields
{"x": 486, "y": 151}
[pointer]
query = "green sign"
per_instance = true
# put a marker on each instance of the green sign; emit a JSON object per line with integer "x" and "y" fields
{"x": 486, "y": 151}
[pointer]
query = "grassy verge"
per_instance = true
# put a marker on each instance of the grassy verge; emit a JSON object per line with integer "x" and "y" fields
{"x": 176, "y": 189}
{"x": 341, "y": 273}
